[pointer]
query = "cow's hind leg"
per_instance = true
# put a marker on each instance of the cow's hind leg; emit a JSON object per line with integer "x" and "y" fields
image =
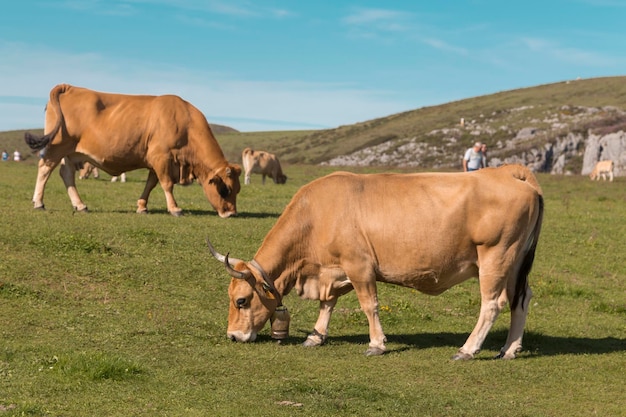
{"x": 513, "y": 343}
{"x": 492, "y": 284}
{"x": 68, "y": 173}
{"x": 44, "y": 170}
{"x": 151, "y": 182}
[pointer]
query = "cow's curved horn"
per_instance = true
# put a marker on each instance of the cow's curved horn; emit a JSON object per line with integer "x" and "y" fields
{"x": 219, "y": 256}
{"x": 233, "y": 272}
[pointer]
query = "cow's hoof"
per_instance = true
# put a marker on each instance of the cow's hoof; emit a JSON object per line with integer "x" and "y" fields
{"x": 374, "y": 351}
{"x": 176, "y": 213}
{"x": 311, "y": 343}
{"x": 462, "y": 356}
{"x": 314, "y": 339}
{"x": 83, "y": 210}
{"x": 142, "y": 211}
{"x": 503, "y": 355}
{"x": 41, "y": 207}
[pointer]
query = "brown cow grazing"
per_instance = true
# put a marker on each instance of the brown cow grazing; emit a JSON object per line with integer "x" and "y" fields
{"x": 119, "y": 133}
{"x": 427, "y": 231}
{"x": 264, "y": 163}
{"x": 602, "y": 169}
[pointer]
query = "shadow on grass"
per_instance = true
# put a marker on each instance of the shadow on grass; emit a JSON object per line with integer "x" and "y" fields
{"x": 160, "y": 211}
{"x": 535, "y": 344}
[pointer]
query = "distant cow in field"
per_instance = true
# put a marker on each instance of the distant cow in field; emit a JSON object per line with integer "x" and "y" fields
{"x": 602, "y": 169}
{"x": 264, "y": 163}
{"x": 88, "y": 170}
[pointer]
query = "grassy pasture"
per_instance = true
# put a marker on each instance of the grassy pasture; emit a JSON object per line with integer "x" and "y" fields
{"x": 116, "y": 314}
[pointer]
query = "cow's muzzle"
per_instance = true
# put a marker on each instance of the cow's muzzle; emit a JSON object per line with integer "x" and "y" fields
{"x": 227, "y": 214}
{"x": 237, "y": 336}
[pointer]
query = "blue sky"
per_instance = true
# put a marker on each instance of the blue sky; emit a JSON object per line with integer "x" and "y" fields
{"x": 291, "y": 65}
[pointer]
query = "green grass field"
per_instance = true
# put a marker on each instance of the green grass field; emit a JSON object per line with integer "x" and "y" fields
{"x": 112, "y": 313}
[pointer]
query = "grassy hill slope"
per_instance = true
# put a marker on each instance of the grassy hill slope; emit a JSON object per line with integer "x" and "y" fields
{"x": 501, "y": 114}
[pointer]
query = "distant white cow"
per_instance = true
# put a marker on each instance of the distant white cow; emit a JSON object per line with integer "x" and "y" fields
{"x": 602, "y": 169}
{"x": 121, "y": 177}
{"x": 87, "y": 170}
{"x": 264, "y": 163}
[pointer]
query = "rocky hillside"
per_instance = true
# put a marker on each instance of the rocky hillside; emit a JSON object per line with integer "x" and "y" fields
{"x": 566, "y": 140}
{"x": 561, "y": 128}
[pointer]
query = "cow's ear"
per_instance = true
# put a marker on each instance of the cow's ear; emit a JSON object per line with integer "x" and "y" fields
{"x": 233, "y": 171}
{"x": 268, "y": 291}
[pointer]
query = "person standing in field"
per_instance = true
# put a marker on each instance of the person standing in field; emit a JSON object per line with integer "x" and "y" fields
{"x": 483, "y": 149}
{"x": 473, "y": 159}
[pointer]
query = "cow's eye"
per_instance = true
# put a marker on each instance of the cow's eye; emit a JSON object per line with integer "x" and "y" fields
{"x": 241, "y": 302}
{"x": 223, "y": 190}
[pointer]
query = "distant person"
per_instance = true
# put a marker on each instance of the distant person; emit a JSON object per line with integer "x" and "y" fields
{"x": 473, "y": 159}
{"x": 17, "y": 156}
{"x": 483, "y": 149}
{"x": 5, "y": 156}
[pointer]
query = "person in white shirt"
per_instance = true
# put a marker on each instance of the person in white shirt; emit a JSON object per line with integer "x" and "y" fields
{"x": 473, "y": 159}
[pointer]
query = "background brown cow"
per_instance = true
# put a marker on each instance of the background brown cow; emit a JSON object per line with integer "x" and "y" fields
{"x": 120, "y": 133}
{"x": 264, "y": 163}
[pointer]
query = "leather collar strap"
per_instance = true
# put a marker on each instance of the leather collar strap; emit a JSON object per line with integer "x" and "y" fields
{"x": 269, "y": 282}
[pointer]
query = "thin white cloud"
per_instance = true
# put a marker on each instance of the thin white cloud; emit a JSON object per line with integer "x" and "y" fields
{"x": 378, "y": 19}
{"x": 102, "y": 7}
{"x": 604, "y": 3}
{"x": 444, "y": 46}
{"x": 232, "y": 8}
{"x": 381, "y": 23}
{"x": 276, "y": 105}
{"x": 566, "y": 54}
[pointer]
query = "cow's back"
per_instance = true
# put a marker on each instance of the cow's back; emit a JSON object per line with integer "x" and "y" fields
{"x": 414, "y": 222}
{"x": 124, "y": 132}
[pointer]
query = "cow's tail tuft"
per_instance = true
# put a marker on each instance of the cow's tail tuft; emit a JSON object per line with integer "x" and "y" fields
{"x": 521, "y": 285}
{"x": 37, "y": 143}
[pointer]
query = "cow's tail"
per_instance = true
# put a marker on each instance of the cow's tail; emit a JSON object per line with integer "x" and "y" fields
{"x": 245, "y": 158}
{"x": 37, "y": 143}
{"x": 521, "y": 285}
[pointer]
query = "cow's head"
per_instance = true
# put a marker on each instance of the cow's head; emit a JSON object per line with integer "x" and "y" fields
{"x": 221, "y": 188}
{"x": 253, "y": 301}
{"x": 281, "y": 179}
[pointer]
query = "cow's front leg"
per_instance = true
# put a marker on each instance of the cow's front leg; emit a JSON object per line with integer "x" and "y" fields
{"x": 172, "y": 206}
{"x": 162, "y": 172}
{"x": 320, "y": 331}
{"x": 44, "y": 170}
{"x": 151, "y": 182}
{"x": 68, "y": 174}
